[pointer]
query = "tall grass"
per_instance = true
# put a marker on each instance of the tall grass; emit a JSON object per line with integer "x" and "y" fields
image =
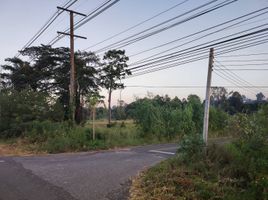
{"x": 60, "y": 137}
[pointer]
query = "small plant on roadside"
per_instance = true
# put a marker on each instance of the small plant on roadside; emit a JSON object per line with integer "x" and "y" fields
{"x": 191, "y": 148}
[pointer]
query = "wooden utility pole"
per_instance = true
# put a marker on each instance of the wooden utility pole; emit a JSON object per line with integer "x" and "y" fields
{"x": 207, "y": 100}
{"x": 72, "y": 86}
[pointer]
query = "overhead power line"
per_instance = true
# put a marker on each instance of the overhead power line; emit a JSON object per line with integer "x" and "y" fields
{"x": 249, "y": 23}
{"x": 137, "y": 25}
{"x": 255, "y": 64}
{"x": 256, "y": 42}
{"x": 245, "y": 69}
{"x": 238, "y": 34}
{"x": 176, "y": 64}
{"x": 46, "y": 25}
{"x": 135, "y": 38}
{"x": 190, "y": 86}
{"x": 200, "y": 47}
{"x": 97, "y": 11}
{"x": 253, "y": 60}
{"x": 247, "y": 17}
{"x": 243, "y": 81}
{"x": 243, "y": 55}
{"x": 233, "y": 81}
{"x": 238, "y": 46}
{"x": 232, "y": 75}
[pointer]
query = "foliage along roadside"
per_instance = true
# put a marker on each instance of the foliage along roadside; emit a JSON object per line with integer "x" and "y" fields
{"x": 238, "y": 170}
{"x": 38, "y": 119}
{"x": 51, "y": 137}
{"x": 49, "y": 71}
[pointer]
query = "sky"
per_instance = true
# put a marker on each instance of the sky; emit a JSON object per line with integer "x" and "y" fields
{"x": 20, "y": 20}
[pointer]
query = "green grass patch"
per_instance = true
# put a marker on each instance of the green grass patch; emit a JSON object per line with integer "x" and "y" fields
{"x": 230, "y": 172}
{"x": 61, "y": 137}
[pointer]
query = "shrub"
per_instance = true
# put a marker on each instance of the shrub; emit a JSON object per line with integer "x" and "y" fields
{"x": 165, "y": 121}
{"x": 37, "y": 131}
{"x": 171, "y": 122}
{"x": 20, "y": 108}
{"x": 75, "y": 139}
{"x": 218, "y": 119}
{"x": 191, "y": 148}
{"x": 187, "y": 124}
{"x": 148, "y": 117}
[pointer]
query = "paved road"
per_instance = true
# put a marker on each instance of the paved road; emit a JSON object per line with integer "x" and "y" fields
{"x": 80, "y": 176}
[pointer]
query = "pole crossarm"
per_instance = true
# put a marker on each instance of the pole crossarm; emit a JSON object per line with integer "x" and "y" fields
{"x": 77, "y": 36}
{"x": 77, "y": 13}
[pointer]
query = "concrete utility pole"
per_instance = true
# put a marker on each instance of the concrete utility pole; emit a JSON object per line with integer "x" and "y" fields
{"x": 207, "y": 100}
{"x": 72, "y": 86}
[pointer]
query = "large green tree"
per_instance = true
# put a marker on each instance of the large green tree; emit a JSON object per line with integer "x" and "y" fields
{"x": 114, "y": 69}
{"x": 19, "y": 75}
{"x": 49, "y": 71}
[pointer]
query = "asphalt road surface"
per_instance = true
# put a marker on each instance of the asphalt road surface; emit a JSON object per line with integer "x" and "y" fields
{"x": 81, "y": 176}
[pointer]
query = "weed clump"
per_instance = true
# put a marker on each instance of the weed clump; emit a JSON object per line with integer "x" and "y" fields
{"x": 238, "y": 170}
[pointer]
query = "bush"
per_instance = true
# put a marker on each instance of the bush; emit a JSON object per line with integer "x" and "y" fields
{"x": 20, "y": 108}
{"x": 262, "y": 119}
{"x": 75, "y": 139}
{"x": 37, "y": 131}
{"x": 225, "y": 172}
{"x": 165, "y": 121}
{"x": 192, "y": 148}
{"x": 171, "y": 122}
{"x": 218, "y": 120}
{"x": 148, "y": 117}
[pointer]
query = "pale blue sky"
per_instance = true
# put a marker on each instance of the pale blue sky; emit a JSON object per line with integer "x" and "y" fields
{"x": 21, "y": 19}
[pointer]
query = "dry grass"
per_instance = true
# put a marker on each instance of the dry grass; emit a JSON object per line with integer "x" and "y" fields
{"x": 136, "y": 192}
{"x": 102, "y": 123}
{"x": 221, "y": 174}
{"x": 161, "y": 183}
{"x": 18, "y": 147}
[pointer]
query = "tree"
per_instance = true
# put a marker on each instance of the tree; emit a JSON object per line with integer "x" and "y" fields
{"x": 19, "y": 75}
{"x": 235, "y": 103}
{"x": 114, "y": 69}
{"x": 176, "y": 103}
{"x": 20, "y": 108}
{"x": 49, "y": 71}
{"x": 148, "y": 116}
{"x": 217, "y": 119}
{"x": 87, "y": 78}
{"x": 197, "y": 110}
{"x": 119, "y": 111}
{"x": 260, "y": 97}
{"x": 218, "y": 97}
